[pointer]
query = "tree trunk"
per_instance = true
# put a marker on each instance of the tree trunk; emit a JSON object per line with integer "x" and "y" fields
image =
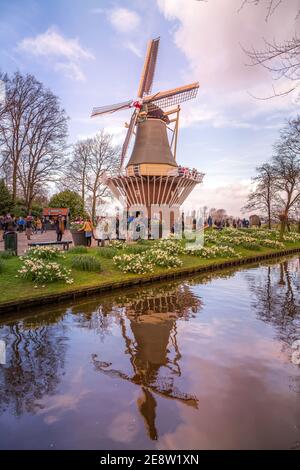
{"x": 269, "y": 209}
{"x": 14, "y": 184}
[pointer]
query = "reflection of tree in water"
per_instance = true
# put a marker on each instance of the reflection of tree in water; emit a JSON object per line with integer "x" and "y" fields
{"x": 148, "y": 326}
{"x": 276, "y": 297}
{"x": 34, "y": 362}
{"x": 276, "y": 300}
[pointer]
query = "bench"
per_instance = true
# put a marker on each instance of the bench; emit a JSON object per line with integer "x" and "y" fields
{"x": 65, "y": 244}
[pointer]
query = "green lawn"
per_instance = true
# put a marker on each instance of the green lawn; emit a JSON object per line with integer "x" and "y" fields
{"x": 13, "y": 288}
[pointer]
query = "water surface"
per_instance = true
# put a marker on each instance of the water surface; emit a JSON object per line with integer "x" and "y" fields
{"x": 202, "y": 363}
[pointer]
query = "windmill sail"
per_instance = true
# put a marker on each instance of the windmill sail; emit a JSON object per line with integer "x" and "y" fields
{"x": 165, "y": 99}
{"x": 149, "y": 68}
{"x": 112, "y": 108}
{"x": 128, "y": 136}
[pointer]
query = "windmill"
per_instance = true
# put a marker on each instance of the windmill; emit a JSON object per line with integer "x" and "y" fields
{"x": 152, "y": 175}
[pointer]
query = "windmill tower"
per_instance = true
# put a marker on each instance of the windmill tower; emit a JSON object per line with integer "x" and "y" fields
{"x": 152, "y": 175}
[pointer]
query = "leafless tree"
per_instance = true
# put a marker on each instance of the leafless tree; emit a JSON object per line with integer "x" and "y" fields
{"x": 33, "y": 131}
{"x": 282, "y": 59}
{"x": 77, "y": 168}
{"x": 91, "y": 159}
{"x": 263, "y": 196}
{"x": 104, "y": 157}
{"x": 286, "y": 170}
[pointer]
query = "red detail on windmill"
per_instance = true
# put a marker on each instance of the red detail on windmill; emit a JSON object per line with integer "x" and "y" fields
{"x": 137, "y": 104}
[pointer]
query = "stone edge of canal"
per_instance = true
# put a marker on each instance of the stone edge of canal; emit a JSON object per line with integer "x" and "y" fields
{"x": 23, "y": 304}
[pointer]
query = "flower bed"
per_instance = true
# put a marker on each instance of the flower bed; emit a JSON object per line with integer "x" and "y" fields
{"x": 133, "y": 263}
{"x": 43, "y": 252}
{"x": 213, "y": 251}
{"x": 159, "y": 257}
{"x": 41, "y": 271}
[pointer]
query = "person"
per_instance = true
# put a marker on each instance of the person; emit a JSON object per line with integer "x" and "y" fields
{"x": 28, "y": 227}
{"x": 38, "y": 225}
{"x": 88, "y": 231}
{"x": 59, "y": 227}
{"x": 210, "y": 221}
{"x": 2, "y": 225}
{"x": 117, "y": 226}
{"x": 43, "y": 225}
{"x": 21, "y": 224}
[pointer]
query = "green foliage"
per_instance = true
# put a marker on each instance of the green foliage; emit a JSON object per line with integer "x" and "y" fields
{"x": 107, "y": 252}
{"x": 86, "y": 263}
{"x": 6, "y": 203}
{"x": 2, "y": 264}
{"x": 6, "y": 254}
{"x": 69, "y": 199}
{"x": 81, "y": 249}
{"x": 135, "y": 248}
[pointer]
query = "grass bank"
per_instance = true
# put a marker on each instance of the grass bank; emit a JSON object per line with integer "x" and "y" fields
{"x": 17, "y": 293}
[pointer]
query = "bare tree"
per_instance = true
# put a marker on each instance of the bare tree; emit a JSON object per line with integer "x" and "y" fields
{"x": 286, "y": 170}
{"x": 263, "y": 196}
{"x": 104, "y": 157}
{"x": 77, "y": 168}
{"x": 91, "y": 159}
{"x": 281, "y": 59}
{"x": 33, "y": 131}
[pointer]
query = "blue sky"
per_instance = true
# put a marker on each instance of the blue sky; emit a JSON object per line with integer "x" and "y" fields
{"x": 90, "y": 53}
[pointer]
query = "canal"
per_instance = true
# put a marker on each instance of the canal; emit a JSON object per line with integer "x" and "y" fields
{"x": 200, "y": 363}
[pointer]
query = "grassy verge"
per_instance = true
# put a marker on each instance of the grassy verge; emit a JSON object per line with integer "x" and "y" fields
{"x": 13, "y": 288}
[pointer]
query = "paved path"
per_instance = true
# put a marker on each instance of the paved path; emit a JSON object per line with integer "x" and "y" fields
{"x": 50, "y": 235}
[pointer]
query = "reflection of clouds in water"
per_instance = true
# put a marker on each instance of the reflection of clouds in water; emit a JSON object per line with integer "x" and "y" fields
{"x": 123, "y": 428}
{"x": 238, "y": 408}
{"x": 56, "y": 405}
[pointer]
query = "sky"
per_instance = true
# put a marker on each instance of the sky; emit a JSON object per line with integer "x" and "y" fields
{"x": 90, "y": 53}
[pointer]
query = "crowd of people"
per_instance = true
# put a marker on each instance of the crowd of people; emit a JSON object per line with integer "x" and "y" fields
{"x": 221, "y": 223}
{"x": 30, "y": 225}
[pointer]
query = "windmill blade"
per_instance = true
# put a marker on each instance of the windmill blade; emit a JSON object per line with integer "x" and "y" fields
{"x": 165, "y": 99}
{"x": 112, "y": 108}
{"x": 149, "y": 68}
{"x": 128, "y": 136}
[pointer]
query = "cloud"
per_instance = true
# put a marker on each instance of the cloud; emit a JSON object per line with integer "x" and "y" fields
{"x": 70, "y": 70}
{"x": 231, "y": 197}
{"x": 133, "y": 48}
{"x": 65, "y": 53}
{"x": 210, "y": 35}
{"x": 124, "y": 20}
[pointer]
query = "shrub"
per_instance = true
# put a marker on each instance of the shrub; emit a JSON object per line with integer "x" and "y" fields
{"x": 6, "y": 254}
{"x": 42, "y": 252}
{"x": 42, "y": 271}
{"x": 86, "y": 263}
{"x": 107, "y": 252}
{"x": 78, "y": 250}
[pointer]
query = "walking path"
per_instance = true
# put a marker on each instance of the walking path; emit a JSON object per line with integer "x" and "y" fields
{"x": 48, "y": 236}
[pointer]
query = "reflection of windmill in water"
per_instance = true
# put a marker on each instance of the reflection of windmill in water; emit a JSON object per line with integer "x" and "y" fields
{"x": 152, "y": 174}
{"x": 153, "y": 348}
